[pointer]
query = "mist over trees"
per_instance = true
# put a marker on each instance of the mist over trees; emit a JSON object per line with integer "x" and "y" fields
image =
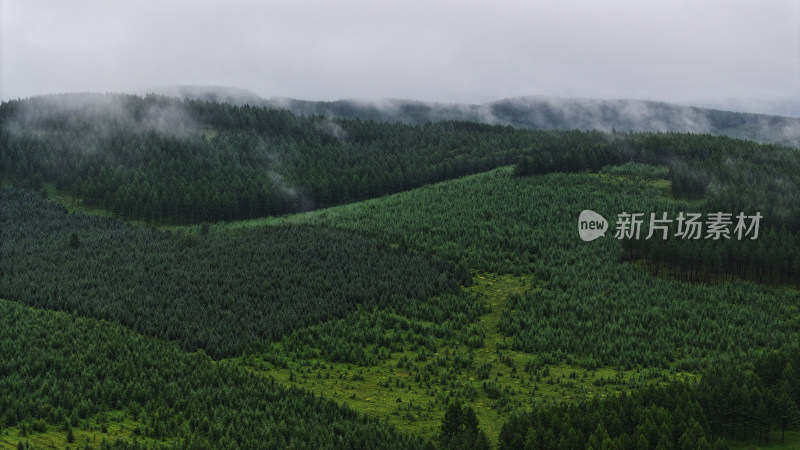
{"x": 768, "y": 122}
{"x": 554, "y": 113}
{"x": 163, "y": 160}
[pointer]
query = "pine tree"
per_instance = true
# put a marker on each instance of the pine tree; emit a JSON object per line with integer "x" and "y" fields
{"x": 451, "y": 424}
{"x": 469, "y": 420}
{"x": 693, "y": 437}
{"x": 74, "y": 241}
{"x": 786, "y": 412}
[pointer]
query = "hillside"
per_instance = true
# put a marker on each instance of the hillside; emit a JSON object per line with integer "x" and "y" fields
{"x": 185, "y": 273}
{"x": 71, "y": 381}
{"x": 221, "y": 293}
{"x": 575, "y": 321}
{"x": 160, "y": 160}
{"x": 497, "y": 223}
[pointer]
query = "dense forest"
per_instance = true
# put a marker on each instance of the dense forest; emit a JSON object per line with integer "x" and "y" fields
{"x": 216, "y": 291}
{"x": 422, "y": 324}
{"x": 433, "y": 264}
{"x": 164, "y": 160}
{"x": 731, "y": 175}
{"x": 587, "y": 307}
{"x": 160, "y": 159}
{"x": 772, "y": 258}
{"x": 590, "y": 309}
{"x": 57, "y": 370}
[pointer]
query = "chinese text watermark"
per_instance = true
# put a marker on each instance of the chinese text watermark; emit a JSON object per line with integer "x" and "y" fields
{"x": 716, "y": 226}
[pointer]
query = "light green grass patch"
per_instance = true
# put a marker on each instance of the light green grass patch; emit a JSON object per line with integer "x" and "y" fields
{"x": 391, "y": 390}
{"x": 118, "y": 425}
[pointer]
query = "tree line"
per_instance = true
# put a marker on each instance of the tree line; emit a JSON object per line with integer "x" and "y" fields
{"x": 735, "y": 401}
{"x": 772, "y": 258}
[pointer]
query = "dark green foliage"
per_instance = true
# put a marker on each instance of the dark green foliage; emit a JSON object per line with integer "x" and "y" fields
{"x": 451, "y": 423}
{"x": 688, "y": 182}
{"x": 586, "y": 305}
{"x": 229, "y": 292}
{"x": 649, "y": 322}
{"x": 681, "y": 415}
{"x": 74, "y": 242}
{"x": 772, "y": 258}
{"x": 54, "y": 363}
{"x": 733, "y": 175}
{"x": 219, "y": 292}
{"x": 460, "y": 429}
{"x": 162, "y": 159}
{"x": 633, "y": 169}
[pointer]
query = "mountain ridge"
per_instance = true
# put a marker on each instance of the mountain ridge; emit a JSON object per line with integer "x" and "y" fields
{"x": 535, "y": 111}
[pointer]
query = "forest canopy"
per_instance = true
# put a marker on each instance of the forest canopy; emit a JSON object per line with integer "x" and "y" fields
{"x": 100, "y": 314}
{"x": 218, "y": 292}
{"x": 166, "y": 160}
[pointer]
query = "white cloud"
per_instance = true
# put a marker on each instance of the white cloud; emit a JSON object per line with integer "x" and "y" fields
{"x": 430, "y": 50}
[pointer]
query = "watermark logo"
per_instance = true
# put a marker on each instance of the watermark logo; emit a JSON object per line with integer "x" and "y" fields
{"x": 591, "y": 225}
{"x": 716, "y": 226}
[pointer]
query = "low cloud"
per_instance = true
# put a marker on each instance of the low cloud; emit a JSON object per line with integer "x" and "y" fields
{"x": 100, "y": 116}
{"x": 330, "y": 127}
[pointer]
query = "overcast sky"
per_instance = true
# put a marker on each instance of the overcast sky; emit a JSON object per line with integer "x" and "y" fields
{"x": 454, "y": 51}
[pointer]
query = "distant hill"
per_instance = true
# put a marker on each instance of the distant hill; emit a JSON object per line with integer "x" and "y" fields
{"x": 783, "y": 107}
{"x": 540, "y": 112}
{"x": 559, "y": 113}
